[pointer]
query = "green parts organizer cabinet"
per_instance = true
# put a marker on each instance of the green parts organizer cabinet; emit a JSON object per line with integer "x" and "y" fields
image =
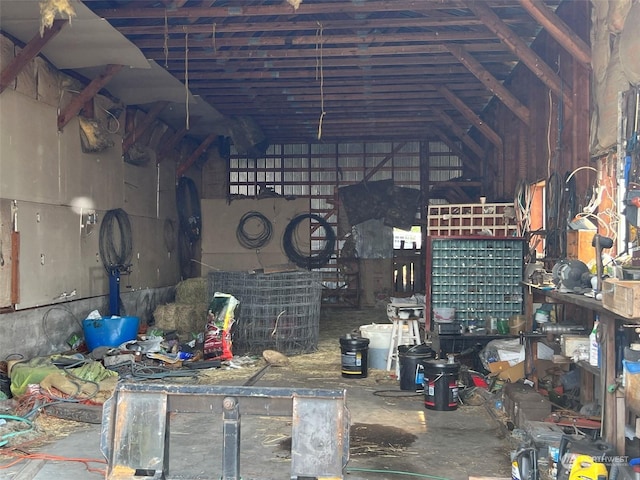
{"x": 478, "y": 276}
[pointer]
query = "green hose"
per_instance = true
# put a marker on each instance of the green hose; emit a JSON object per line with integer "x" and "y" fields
{"x": 394, "y": 472}
{"x": 4, "y": 439}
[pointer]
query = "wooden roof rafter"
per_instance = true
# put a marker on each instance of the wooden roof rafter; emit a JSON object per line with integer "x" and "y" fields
{"x": 90, "y": 91}
{"x": 520, "y": 49}
{"x": 29, "y": 52}
{"x": 261, "y": 59}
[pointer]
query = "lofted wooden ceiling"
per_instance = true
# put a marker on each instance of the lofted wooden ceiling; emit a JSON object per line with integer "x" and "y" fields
{"x": 342, "y": 70}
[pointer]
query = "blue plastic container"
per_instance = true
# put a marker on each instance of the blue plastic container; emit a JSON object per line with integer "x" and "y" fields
{"x": 109, "y": 331}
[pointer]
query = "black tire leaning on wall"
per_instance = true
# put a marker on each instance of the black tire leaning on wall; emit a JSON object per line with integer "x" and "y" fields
{"x": 115, "y": 251}
{"x": 296, "y": 255}
{"x": 188, "y": 205}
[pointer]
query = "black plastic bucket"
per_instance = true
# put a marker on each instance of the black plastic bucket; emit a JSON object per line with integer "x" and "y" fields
{"x": 355, "y": 356}
{"x": 441, "y": 385}
{"x": 411, "y": 358}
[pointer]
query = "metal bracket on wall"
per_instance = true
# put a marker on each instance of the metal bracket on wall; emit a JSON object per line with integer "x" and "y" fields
{"x": 137, "y": 418}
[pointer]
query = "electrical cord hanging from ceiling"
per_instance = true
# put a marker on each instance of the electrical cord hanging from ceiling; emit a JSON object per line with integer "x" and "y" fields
{"x": 524, "y": 196}
{"x": 188, "y": 203}
{"x": 569, "y": 204}
{"x": 320, "y": 73}
{"x": 186, "y": 75}
{"x": 257, "y": 240}
{"x": 291, "y": 245}
{"x": 115, "y": 246}
{"x": 554, "y": 192}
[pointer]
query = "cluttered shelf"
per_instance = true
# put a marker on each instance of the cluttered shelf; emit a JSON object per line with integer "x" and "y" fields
{"x": 615, "y": 412}
{"x": 588, "y": 367}
{"x": 580, "y": 300}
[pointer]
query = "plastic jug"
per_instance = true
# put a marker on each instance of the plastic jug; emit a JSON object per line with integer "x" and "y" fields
{"x": 585, "y": 468}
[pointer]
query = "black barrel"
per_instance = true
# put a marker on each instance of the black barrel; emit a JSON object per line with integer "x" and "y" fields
{"x": 411, "y": 358}
{"x": 355, "y": 356}
{"x": 441, "y": 385}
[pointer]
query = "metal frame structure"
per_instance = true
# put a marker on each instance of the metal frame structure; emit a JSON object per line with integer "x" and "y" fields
{"x": 136, "y": 426}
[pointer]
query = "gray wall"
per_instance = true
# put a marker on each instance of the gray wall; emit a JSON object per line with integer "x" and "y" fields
{"x": 45, "y": 330}
{"x": 48, "y": 185}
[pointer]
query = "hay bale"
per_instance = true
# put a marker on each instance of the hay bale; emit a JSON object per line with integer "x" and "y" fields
{"x": 183, "y": 318}
{"x": 192, "y": 291}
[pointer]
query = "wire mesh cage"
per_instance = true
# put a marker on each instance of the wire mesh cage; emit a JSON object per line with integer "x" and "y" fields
{"x": 279, "y": 311}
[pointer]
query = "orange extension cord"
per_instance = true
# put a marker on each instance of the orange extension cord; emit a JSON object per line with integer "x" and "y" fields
{"x": 27, "y": 403}
{"x": 22, "y": 455}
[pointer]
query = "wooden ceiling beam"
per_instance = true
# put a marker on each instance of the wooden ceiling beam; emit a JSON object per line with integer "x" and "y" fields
{"x": 350, "y": 111}
{"x": 415, "y": 102}
{"x": 283, "y": 10}
{"x": 460, "y": 133}
{"x": 255, "y": 90}
{"x": 90, "y": 91}
{"x": 496, "y": 58}
{"x": 366, "y": 122}
{"x": 338, "y": 110}
{"x": 275, "y": 100}
{"x": 520, "y": 49}
{"x": 306, "y": 40}
{"x": 491, "y": 82}
{"x": 559, "y": 30}
{"x": 470, "y": 115}
{"x": 328, "y": 73}
{"x": 348, "y": 108}
{"x": 312, "y": 25}
{"x": 310, "y": 52}
{"x": 186, "y": 165}
{"x": 359, "y": 96}
{"x": 138, "y": 130}
{"x": 28, "y": 53}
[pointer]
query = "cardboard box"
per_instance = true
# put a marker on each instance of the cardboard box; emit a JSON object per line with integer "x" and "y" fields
{"x": 504, "y": 371}
{"x": 621, "y": 297}
{"x": 572, "y": 344}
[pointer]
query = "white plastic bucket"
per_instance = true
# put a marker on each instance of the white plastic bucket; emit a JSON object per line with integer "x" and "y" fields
{"x": 379, "y": 336}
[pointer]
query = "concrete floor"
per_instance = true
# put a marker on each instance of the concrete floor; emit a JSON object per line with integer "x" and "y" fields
{"x": 392, "y": 435}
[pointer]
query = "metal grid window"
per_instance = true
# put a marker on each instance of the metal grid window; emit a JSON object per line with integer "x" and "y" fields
{"x": 317, "y": 171}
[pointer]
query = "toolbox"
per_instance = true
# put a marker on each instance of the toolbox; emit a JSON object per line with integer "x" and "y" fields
{"x": 449, "y": 328}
